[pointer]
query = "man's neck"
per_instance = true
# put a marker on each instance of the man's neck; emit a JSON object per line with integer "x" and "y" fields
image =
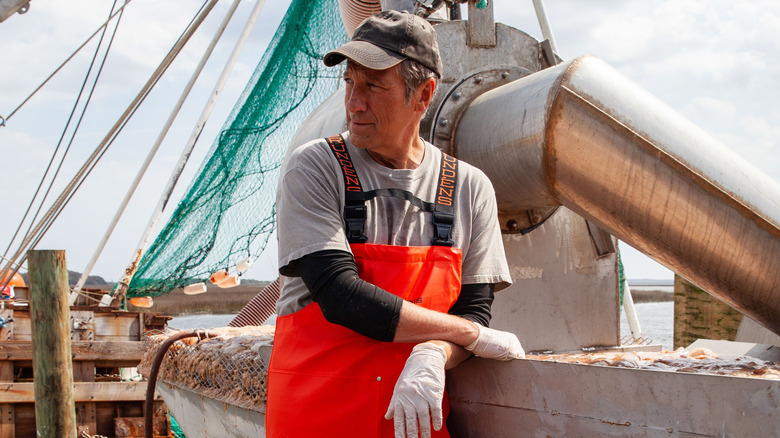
{"x": 404, "y": 157}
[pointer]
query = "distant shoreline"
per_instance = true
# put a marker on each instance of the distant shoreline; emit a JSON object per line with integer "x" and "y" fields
{"x": 215, "y": 300}
{"x": 651, "y": 296}
{"x": 219, "y": 301}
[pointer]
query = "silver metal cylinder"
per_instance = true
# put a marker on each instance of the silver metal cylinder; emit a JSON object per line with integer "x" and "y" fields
{"x": 583, "y": 136}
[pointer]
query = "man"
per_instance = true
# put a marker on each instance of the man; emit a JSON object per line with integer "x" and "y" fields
{"x": 392, "y": 252}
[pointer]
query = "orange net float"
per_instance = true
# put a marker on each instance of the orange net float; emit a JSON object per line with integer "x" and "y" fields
{"x": 16, "y": 280}
{"x": 145, "y": 302}
{"x": 219, "y": 276}
{"x": 7, "y": 291}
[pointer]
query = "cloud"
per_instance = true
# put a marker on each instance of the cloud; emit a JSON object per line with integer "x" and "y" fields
{"x": 715, "y": 61}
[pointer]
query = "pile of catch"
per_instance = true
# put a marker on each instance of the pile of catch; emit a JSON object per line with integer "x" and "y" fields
{"x": 230, "y": 365}
{"x": 697, "y": 360}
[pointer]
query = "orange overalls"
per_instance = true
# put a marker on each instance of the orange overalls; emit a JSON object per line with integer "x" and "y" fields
{"x": 326, "y": 380}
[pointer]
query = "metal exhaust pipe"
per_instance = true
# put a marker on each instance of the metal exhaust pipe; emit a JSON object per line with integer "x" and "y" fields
{"x": 583, "y": 136}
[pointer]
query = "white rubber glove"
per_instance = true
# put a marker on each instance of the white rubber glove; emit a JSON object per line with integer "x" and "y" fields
{"x": 496, "y": 344}
{"x": 419, "y": 392}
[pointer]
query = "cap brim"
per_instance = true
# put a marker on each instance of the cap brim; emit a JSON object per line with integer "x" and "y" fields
{"x": 365, "y": 54}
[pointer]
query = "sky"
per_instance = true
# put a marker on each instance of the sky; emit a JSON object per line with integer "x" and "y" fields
{"x": 715, "y": 61}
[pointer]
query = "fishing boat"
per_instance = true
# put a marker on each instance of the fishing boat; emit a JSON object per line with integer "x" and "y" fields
{"x": 580, "y": 158}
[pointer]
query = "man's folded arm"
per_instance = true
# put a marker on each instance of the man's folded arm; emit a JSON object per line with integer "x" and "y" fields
{"x": 331, "y": 277}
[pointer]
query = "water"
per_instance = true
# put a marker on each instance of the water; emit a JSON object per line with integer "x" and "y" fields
{"x": 655, "y": 319}
{"x": 199, "y": 321}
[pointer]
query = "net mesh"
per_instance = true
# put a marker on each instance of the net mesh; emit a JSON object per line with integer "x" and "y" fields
{"x": 227, "y": 213}
{"x": 231, "y": 367}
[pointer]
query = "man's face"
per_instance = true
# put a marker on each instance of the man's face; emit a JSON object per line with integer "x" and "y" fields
{"x": 377, "y": 111}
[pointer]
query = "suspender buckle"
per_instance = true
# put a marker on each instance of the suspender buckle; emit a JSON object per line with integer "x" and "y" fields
{"x": 355, "y": 214}
{"x": 442, "y": 228}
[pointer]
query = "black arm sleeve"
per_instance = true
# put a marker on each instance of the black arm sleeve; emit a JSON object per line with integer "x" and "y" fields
{"x": 474, "y": 303}
{"x": 331, "y": 277}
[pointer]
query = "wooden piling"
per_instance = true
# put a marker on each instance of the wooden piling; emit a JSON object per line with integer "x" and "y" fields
{"x": 699, "y": 315}
{"x": 55, "y": 411}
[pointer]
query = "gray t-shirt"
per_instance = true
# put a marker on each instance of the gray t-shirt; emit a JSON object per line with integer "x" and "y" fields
{"x": 310, "y": 206}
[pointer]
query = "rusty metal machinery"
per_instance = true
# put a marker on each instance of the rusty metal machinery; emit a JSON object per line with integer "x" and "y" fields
{"x": 583, "y": 136}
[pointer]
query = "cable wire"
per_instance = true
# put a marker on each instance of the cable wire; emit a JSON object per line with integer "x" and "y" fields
{"x": 5, "y": 119}
{"x": 47, "y": 220}
{"x": 64, "y": 131}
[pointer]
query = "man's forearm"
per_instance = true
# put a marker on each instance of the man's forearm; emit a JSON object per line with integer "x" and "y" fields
{"x": 455, "y": 354}
{"x": 418, "y": 324}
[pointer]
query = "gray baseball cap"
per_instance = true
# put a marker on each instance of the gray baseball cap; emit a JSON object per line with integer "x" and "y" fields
{"x": 387, "y": 38}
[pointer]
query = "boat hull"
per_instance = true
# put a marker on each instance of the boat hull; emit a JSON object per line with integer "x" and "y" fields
{"x": 548, "y": 399}
{"x": 204, "y": 417}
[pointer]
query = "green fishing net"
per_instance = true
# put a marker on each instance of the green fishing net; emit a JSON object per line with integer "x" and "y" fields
{"x": 227, "y": 213}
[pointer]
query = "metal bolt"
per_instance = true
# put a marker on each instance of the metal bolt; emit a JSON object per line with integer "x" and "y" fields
{"x": 457, "y": 96}
{"x": 512, "y": 225}
{"x": 443, "y": 122}
{"x": 504, "y": 75}
{"x": 478, "y": 80}
{"x": 536, "y": 219}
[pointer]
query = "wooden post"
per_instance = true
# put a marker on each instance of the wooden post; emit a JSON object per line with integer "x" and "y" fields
{"x": 699, "y": 315}
{"x": 55, "y": 410}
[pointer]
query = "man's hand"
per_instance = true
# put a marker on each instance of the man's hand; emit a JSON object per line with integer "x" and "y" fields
{"x": 419, "y": 392}
{"x": 496, "y": 344}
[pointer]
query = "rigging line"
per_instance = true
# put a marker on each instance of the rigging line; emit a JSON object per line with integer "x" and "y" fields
{"x": 5, "y": 119}
{"x": 104, "y": 144}
{"x": 62, "y": 136}
{"x": 81, "y": 117}
{"x": 43, "y": 227}
{"x": 124, "y": 282}
{"x": 155, "y": 147}
{"x": 55, "y": 210}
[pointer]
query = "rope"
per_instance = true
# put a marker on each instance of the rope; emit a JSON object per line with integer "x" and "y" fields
{"x": 3, "y": 119}
{"x": 43, "y": 225}
{"x": 153, "y": 151}
{"x": 62, "y": 136}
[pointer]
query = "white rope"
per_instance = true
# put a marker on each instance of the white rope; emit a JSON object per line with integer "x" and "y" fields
{"x": 4, "y": 119}
{"x": 32, "y": 238}
{"x": 124, "y": 282}
{"x": 163, "y": 132}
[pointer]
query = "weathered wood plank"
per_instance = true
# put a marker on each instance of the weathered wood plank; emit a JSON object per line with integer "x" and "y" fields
{"x": 82, "y": 392}
{"x": 86, "y": 417}
{"x": 22, "y": 329}
{"x": 7, "y": 426}
{"x": 7, "y": 423}
{"x": 117, "y": 326}
{"x": 105, "y": 326}
{"x": 82, "y": 325}
{"x": 103, "y": 351}
{"x": 7, "y": 332}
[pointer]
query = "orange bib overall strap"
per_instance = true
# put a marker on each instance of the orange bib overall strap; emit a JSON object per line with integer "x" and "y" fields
{"x": 328, "y": 381}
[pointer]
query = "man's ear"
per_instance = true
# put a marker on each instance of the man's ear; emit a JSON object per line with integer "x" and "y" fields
{"x": 426, "y": 91}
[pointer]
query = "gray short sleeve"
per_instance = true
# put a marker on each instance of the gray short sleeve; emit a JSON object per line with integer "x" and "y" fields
{"x": 310, "y": 206}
